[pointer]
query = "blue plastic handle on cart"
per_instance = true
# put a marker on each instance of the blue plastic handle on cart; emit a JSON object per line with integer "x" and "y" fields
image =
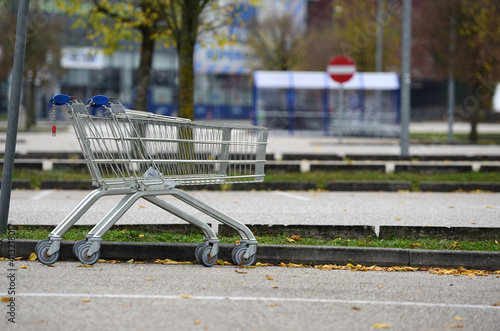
{"x": 99, "y": 100}
{"x": 60, "y": 99}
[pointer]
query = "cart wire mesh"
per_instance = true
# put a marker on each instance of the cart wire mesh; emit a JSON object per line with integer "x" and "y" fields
{"x": 136, "y": 149}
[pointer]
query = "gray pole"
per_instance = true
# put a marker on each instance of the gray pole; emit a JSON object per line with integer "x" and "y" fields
{"x": 13, "y": 114}
{"x": 451, "y": 80}
{"x": 406, "y": 78}
{"x": 380, "y": 35}
{"x": 341, "y": 112}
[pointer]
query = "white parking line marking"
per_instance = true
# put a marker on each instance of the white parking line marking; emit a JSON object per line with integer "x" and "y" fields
{"x": 303, "y": 300}
{"x": 293, "y": 196}
{"x": 41, "y": 195}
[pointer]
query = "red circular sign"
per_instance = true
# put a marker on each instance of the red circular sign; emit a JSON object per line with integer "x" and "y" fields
{"x": 341, "y": 68}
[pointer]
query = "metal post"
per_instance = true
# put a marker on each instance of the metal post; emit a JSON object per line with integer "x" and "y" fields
{"x": 451, "y": 80}
{"x": 406, "y": 78}
{"x": 341, "y": 112}
{"x": 13, "y": 113}
{"x": 380, "y": 36}
{"x": 379, "y": 49}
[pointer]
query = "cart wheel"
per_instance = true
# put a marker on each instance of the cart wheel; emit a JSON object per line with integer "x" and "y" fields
{"x": 41, "y": 252}
{"x": 77, "y": 245}
{"x": 239, "y": 257}
{"x": 39, "y": 243}
{"x": 197, "y": 252}
{"x": 206, "y": 259}
{"x": 234, "y": 254}
{"x": 82, "y": 254}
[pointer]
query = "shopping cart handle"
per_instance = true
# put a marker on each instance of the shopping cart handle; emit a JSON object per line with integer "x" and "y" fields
{"x": 99, "y": 100}
{"x": 60, "y": 99}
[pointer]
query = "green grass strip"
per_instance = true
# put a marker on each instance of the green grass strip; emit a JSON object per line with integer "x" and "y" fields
{"x": 133, "y": 235}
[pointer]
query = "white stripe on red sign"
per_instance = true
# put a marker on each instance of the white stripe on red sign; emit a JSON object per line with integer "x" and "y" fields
{"x": 341, "y": 69}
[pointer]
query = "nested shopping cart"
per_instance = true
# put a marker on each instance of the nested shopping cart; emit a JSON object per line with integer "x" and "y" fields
{"x": 143, "y": 155}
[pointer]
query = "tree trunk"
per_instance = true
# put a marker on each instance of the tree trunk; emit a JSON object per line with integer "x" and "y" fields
{"x": 144, "y": 71}
{"x": 186, "y": 44}
{"x": 474, "y": 115}
{"x": 30, "y": 105}
{"x": 474, "y": 120}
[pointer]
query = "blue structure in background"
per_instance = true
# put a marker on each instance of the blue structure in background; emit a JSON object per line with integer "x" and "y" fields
{"x": 308, "y": 102}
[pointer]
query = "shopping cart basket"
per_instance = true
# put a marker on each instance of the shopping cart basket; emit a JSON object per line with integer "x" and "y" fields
{"x": 143, "y": 155}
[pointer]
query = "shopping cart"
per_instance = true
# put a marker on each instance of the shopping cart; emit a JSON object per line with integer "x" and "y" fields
{"x": 143, "y": 155}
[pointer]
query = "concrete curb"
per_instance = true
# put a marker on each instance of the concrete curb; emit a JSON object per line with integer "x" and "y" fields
{"x": 363, "y": 186}
{"x": 276, "y": 254}
{"x": 455, "y": 186}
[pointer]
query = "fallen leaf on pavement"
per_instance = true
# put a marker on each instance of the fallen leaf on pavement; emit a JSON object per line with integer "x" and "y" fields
{"x": 32, "y": 257}
{"x": 23, "y": 267}
{"x": 381, "y": 326}
{"x": 457, "y": 318}
{"x": 4, "y": 299}
{"x": 453, "y": 326}
{"x": 296, "y": 237}
{"x": 356, "y": 308}
{"x": 186, "y": 296}
{"x": 85, "y": 300}
{"x": 197, "y": 321}
{"x": 241, "y": 272}
{"x": 269, "y": 277}
{"x": 149, "y": 278}
{"x": 84, "y": 266}
{"x": 273, "y": 305}
{"x": 496, "y": 304}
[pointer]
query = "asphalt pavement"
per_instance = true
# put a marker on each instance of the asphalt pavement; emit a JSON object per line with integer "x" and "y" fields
{"x": 131, "y": 296}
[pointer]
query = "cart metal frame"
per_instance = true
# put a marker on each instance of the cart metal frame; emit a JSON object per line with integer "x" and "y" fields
{"x": 144, "y": 155}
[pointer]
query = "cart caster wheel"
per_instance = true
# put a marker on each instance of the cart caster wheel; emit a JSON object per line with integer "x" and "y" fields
{"x": 205, "y": 258}
{"x": 41, "y": 252}
{"x": 82, "y": 254}
{"x": 245, "y": 262}
{"x": 39, "y": 243}
{"x": 77, "y": 245}
{"x": 234, "y": 254}
{"x": 197, "y": 252}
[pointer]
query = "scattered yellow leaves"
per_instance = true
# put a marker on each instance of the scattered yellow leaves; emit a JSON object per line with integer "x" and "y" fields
{"x": 84, "y": 266}
{"x": 168, "y": 261}
{"x": 149, "y": 278}
{"x": 197, "y": 322}
{"x": 453, "y": 326}
{"x": 496, "y": 304}
{"x": 355, "y": 308}
{"x": 290, "y": 240}
{"x": 260, "y": 264}
{"x": 4, "y": 299}
{"x": 274, "y": 286}
{"x": 415, "y": 245}
{"x": 186, "y": 296}
{"x": 273, "y": 305}
{"x": 23, "y": 267}
{"x": 295, "y": 237}
{"x": 141, "y": 236}
{"x": 18, "y": 258}
{"x": 293, "y": 265}
{"x": 381, "y": 326}
{"x": 269, "y": 277}
{"x": 490, "y": 207}
{"x": 32, "y": 257}
{"x": 458, "y": 318}
{"x": 130, "y": 261}
{"x": 142, "y": 206}
{"x": 85, "y": 300}
{"x": 241, "y": 272}
{"x": 51, "y": 265}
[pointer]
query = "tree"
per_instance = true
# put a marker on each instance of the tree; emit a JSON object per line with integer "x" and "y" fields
{"x": 351, "y": 30}
{"x": 43, "y": 37}
{"x": 476, "y": 57}
{"x": 175, "y": 23}
{"x": 274, "y": 43}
